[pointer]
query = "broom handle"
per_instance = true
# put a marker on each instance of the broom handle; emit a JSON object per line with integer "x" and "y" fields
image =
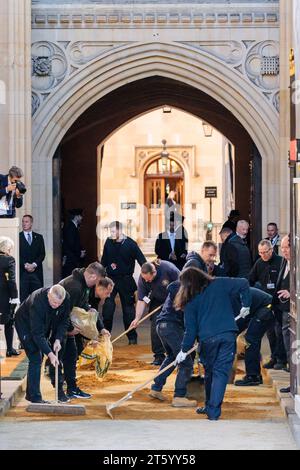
{"x": 139, "y": 322}
{"x": 56, "y": 380}
{"x": 161, "y": 372}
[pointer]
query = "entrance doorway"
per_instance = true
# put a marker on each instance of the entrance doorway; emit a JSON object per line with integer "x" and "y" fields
{"x": 162, "y": 177}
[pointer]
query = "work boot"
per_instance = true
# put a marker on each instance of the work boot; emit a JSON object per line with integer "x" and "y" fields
{"x": 249, "y": 381}
{"x": 158, "y": 361}
{"x": 270, "y": 365}
{"x": 201, "y": 410}
{"x": 285, "y": 390}
{"x": 158, "y": 395}
{"x": 132, "y": 342}
{"x": 182, "y": 402}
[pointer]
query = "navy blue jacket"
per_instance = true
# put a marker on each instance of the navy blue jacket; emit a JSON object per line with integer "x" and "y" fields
{"x": 16, "y": 203}
{"x": 211, "y": 313}
{"x": 193, "y": 260}
{"x": 157, "y": 289}
{"x": 168, "y": 313}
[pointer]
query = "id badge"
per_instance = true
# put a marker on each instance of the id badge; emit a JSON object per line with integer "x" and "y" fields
{"x": 271, "y": 286}
{"x": 146, "y": 300}
{"x": 113, "y": 266}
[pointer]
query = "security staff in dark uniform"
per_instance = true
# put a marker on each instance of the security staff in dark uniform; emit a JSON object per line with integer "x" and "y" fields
{"x": 32, "y": 255}
{"x": 119, "y": 256}
{"x": 264, "y": 276}
{"x": 73, "y": 253}
{"x": 42, "y": 317}
{"x": 152, "y": 291}
{"x": 78, "y": 286}
{"x": 170, "y": 329}
{"x": 257, "y": 323}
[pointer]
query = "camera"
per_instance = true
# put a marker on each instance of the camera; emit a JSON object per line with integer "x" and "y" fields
{"x": 21, "y": 187}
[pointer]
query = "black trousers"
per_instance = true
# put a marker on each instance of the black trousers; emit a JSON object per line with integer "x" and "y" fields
{"x": 9, "y": 334}
{"x": 68, "y": 359}
{"x": 156, "y": 344}
{"x": 256, "y": 327}
{"x": 126, "y": 288}
{"x": 29, "y": 282}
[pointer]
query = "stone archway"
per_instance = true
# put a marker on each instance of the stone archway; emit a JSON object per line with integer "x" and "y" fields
{"x": 136, "y": 62}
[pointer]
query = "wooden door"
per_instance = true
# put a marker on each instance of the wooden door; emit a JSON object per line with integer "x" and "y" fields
{"x": 155, "y": 202}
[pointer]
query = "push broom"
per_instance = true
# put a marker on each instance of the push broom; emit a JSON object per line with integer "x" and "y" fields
{"x": 56, "y": 408}
{"x": 129, "y": 395}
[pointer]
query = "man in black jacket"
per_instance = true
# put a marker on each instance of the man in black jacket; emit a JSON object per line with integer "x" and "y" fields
{"x": 78, "y": 286}
{"x": 238, "y": 257}
{"x": 72, "y": 250}
{"x": 171, "y": 245}
{"x": 119, "y": 256}
{"x": 32, "y": 255}
{"x": 42, "y": 317}
{"x": 257, "y": 323}
{"x": 264, "y": 276}
{"x": 10, "y": 196}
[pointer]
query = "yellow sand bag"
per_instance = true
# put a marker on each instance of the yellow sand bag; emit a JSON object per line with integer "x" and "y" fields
{"x": 99, "y": 355}
{"x": 86, "y": 322}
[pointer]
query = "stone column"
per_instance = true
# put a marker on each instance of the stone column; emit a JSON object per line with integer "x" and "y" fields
{"x": 15, "y": 78}
{"x": 285, "y": 46}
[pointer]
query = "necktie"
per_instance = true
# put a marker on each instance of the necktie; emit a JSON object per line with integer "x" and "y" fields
{"x": 29, "y": 238}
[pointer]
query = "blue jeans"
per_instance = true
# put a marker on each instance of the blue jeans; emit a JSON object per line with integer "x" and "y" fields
{"x": 217, "y": 356}
{"x": 171, "y": 336}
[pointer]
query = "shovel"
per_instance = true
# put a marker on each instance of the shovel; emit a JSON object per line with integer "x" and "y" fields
{"x": 139, "y": 323}
{"x": 129, "y": 395}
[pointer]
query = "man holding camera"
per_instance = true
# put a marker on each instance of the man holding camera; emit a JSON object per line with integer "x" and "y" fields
{"x": 12, "y": 190}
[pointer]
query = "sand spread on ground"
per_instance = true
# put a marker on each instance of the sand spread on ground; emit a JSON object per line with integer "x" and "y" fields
{"x": 131, "y": 367}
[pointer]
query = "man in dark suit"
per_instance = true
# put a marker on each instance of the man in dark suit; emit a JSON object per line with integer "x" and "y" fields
{"x": 32, "y": 255}
{"x": 73, "y": 253}
{"x": 171, "y": 245}
{"x": 10, "y": 196}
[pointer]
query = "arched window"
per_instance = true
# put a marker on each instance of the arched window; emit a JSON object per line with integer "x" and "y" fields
{"x": 163, "y": 167}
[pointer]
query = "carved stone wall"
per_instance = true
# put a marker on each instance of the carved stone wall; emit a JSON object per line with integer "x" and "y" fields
{"x": 82, "y": 51}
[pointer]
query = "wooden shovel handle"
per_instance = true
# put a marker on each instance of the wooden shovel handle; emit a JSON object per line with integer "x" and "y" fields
{"x": 139, "y": 323}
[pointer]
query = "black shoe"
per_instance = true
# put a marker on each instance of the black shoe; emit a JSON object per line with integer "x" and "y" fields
{"x": 77, "y": 393}
{"x": 285, "y": 390}
{"x": 12, "y": 352}
{"x": 197, "y": 378}
{"x": 279, "y": 366}
{"x": 132, "y": 342}
{"x": 270, "y": 365}
{"x": 249, "y": 381}
{"x": 158, "y": 361}
{"x": 201, "y": 410}
{"x": 62, "y": 397}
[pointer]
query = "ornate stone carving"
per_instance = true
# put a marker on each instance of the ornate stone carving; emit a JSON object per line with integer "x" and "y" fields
{"x": 82, "y": 52}
{"x": 41, "y": 66}
{"x": 184, "y": 155}
{"x": 49, "y": 66}
{"x": 230, "y": 52}
{"x": 259, "y": 60}
{"x": 35, "y": 103}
